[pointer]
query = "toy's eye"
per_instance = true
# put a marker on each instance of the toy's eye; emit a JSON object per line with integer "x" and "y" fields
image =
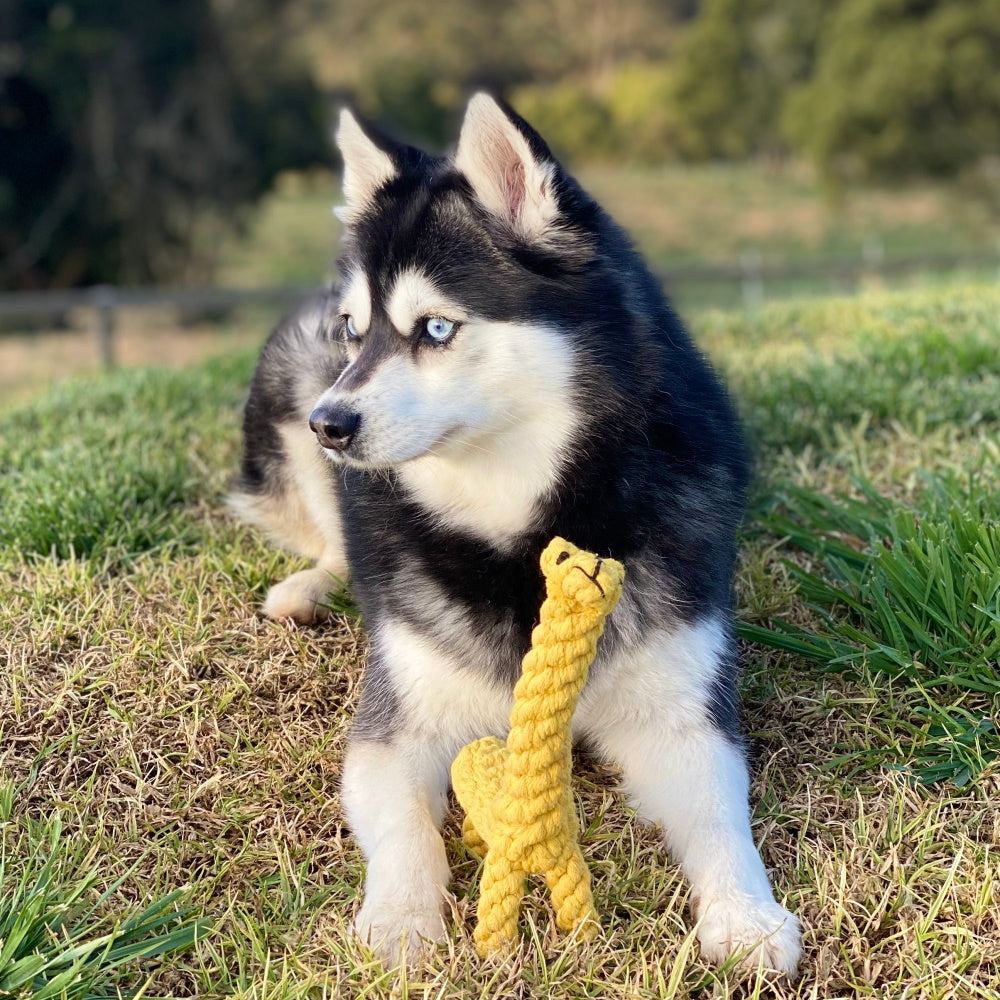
{"x": 562, "y": 557}
{"x": 352, "y": 330}
{"x": 438, "y": 328}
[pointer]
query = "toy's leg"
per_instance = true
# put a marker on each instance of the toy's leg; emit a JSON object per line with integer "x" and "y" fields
{"x": 500, "y": 894}
{"x": 473, "y": 840}
{"x": 569, "y": 883}
{"x": 685, "y": 769}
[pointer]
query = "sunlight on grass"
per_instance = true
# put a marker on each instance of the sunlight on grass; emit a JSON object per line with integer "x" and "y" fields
{"x": 58, "y": 940}
{"x": 909, "y": 591}
{"x": 183, "y": 741}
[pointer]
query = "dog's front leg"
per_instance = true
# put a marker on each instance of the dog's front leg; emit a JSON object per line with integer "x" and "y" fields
{"x": 683, "y": 772}
{"x": 694, "y": 783}
{"x": 394, "y": 793}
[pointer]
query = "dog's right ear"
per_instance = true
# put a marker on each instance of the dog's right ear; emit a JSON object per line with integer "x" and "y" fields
{"x": 367, "y": 166}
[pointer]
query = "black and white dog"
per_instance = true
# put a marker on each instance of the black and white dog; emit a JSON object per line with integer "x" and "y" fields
{"x": 499, "y": 367}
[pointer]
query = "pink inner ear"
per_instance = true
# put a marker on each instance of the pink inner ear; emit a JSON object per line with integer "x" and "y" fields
{"x": 512, "y": 185}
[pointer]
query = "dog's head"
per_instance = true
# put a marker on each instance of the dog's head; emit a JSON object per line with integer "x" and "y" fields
{"x": 458, "y": 275}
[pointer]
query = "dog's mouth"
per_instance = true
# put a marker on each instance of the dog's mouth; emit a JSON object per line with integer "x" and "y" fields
{"x": 358, "y": 456}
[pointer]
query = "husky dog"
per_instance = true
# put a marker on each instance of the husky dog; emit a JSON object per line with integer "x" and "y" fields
{"x": 499, "y": 367}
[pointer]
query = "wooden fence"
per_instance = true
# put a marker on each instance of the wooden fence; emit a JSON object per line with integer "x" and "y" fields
{"x": 752, "y": 272}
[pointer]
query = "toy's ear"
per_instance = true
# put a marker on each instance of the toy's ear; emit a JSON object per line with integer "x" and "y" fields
{"x": 509, "y": 167}
{"x": 368, "y": 165}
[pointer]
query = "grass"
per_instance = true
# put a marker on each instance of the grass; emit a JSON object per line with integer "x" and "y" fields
{"x": 55, "y": 941}
{"x": 677, "y": 214}
{"x": 910, "y": 592}
{"x": 175, "y": 739}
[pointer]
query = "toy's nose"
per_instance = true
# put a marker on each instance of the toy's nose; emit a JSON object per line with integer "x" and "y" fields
{"x": 334, "y": 426}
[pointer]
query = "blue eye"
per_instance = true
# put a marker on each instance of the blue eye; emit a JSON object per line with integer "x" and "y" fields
{"x": 438, "y": 328}
{"x": 352, "y": 330}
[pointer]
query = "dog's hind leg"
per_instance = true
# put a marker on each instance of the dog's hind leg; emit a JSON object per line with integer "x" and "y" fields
{"x": 286, "y": 485}
{"x": 295, "y": 503}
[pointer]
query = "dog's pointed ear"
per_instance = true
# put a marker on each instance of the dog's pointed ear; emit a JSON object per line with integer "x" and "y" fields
{"x": 508, "y": 165}
{"x": 367, "y": 165}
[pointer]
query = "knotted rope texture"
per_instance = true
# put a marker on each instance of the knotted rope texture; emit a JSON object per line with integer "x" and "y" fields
{"x": 517, "y": 795}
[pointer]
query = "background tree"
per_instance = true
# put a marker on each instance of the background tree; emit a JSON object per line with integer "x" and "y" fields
{"x": 902, "y": 88}
{"x": 733, "y": 68}
{"x": 132, "y": 132}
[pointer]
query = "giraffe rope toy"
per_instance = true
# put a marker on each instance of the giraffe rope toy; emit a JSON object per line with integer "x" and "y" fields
{"x": 517, "y": 795}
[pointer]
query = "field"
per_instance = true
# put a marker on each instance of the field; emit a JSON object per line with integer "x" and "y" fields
{"x": 157, "y": 735}
{"x": 679, "y": 215}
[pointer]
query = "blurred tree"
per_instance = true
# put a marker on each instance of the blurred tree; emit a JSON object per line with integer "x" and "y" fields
{"x": 641, "y": 109}
{"x": 133, "y": 131}
{"x": 733, "y": 66}
{"x": 412, "y": 64}
{"x": 902, "y": 88}
{"x": 573, "y": 121}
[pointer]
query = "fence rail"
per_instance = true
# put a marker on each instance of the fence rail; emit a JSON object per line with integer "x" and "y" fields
{"x": 752, "y": 272}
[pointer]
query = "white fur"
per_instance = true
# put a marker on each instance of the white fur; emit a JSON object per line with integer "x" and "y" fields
{"x": 414, "y": 296}
{"x": 316, "y": 487}
{"x": 648, "y": 714}
{"x": 356, "y": 300}
{"x": 477, "y": 431}
{"x": 507, "y": 178}
{"x": 307, "y": 521}
{"x": 303, "y": 596}
{"x": 395, "y": 799}
{"x": 366, "y": 167}
{"x": 490, "y": 479}
{"x": 441, "y": 699}
{"x": 396, "y": 796}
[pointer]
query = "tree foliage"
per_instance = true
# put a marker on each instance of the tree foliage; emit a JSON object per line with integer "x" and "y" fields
{"x": 902, "y": 87}
{"x": 132, "y": 132}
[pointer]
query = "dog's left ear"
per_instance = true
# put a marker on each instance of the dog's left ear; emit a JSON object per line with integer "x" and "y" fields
{"x": 509, "y": 167}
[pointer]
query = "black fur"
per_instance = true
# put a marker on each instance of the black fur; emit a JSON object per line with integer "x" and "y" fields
{"x": 657, "y": 480}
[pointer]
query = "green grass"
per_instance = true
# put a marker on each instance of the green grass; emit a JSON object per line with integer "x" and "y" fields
{"x": 175, "y": 739}
{"x": 111, "y": 469}
{"x": 909, "y": 591}
{"x": 57, "y": 941}
{"x": 677, "y": 215}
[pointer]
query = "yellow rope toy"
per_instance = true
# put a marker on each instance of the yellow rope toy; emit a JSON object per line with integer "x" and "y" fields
{"x": 517, "y": 795}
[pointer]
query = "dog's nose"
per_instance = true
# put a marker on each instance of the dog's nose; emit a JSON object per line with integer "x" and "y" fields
{"x": 334, "y": 426}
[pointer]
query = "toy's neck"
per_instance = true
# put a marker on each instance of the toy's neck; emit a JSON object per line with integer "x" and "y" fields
{"x": 553, "y": 674}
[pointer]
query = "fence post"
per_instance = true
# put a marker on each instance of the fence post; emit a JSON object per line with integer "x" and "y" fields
{"x": 752, "y": 284}
{"x": 105, "y": 301}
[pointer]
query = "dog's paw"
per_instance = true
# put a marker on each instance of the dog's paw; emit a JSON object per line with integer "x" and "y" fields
{"x": 303, "y": 596}
{"x": 401, "y": 929}
{"x": 764, "y": 933}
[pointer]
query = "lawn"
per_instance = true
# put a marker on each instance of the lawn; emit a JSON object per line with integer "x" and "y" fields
{"x": 158, "y": 737}
{"x": 677, "y": 214}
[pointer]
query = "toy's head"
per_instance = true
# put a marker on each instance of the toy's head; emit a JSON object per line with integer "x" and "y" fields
{"x": 580, "y": 578}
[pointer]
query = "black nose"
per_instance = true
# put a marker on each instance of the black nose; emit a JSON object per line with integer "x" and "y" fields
{"x": 334, "y": 426}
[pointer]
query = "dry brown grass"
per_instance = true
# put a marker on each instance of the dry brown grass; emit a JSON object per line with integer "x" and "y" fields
{"x": 157, "y": 710}
{"x": 172, "y": 728}
{"x": 32, "y": 361}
